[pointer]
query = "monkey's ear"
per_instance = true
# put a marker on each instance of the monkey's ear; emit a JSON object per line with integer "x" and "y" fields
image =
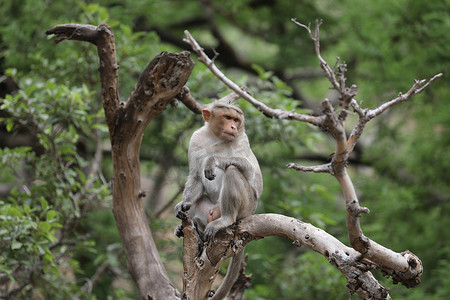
{"x": 206, "y": 114}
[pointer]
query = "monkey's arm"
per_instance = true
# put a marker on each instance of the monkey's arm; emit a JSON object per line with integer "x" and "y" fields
{"x": 241, "y": 163}
{"x": 193, "y": 190}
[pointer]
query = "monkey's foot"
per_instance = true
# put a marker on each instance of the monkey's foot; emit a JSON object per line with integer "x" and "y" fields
{"x": 210, "y": 232}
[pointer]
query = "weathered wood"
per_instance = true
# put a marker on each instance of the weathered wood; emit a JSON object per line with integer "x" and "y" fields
{"x": 159, "y": 83}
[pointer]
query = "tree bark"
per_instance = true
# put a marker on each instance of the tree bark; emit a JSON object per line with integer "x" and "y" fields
{"x": 160, "y": 82}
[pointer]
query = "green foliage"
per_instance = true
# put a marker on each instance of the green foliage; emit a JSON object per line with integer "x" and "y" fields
{"x": 52, "y": 188}
{"x": 57, "y": 228}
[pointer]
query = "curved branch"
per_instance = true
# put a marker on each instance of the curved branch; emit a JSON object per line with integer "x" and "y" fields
{"x": 103, "y": 37}
{"x": 202, "y": 264}
{"x": 349, "y": 261}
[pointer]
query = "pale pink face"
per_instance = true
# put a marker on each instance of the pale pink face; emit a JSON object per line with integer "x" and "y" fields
{"x": 224, "y": 123}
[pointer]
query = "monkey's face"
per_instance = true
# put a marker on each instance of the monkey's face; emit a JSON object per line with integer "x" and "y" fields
{"x": 226, "y": 123}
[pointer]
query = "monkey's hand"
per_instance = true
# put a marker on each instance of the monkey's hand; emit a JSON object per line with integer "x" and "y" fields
{"x": 179, "y": 231}
{"x": 181, "y": 209}
{"x": 210, "y": 165}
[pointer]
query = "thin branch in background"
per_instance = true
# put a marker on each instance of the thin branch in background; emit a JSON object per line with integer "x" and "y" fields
{"x": 90, "y": 282}
{"x": 169, "y": 203}
{"x": 329, "y": 73}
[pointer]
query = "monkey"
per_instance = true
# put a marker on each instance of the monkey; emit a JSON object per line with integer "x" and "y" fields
{"x": 206, "y": 208}
{"x": 213, "y": 214}
{"x": 225, "y": 181}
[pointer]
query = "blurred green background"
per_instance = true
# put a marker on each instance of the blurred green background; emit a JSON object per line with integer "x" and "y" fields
{"x": 58, "y": 238}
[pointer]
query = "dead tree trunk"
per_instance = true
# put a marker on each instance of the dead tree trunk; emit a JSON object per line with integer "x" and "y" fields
{"x": 160, "y": 82}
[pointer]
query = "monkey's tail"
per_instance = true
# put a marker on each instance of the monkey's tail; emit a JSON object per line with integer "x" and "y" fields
{"x": 230, "y": 278}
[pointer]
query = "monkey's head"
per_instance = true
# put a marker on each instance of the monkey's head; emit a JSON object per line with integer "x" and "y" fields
{"x": 225, "y": 120}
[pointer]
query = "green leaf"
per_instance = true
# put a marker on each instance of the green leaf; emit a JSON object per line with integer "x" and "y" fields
{"x": 44, "y": 203}
{"x": 9, "y": 124}
{"x": 16, "y": 245}
{"x": 51, "y": 215}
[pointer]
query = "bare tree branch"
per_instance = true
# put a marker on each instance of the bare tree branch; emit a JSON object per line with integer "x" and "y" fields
{"x": 323, "y": 64}
{"x": 272, "y": 113}
{"x": 188, "y": 100}
{"x": 102, "y": 36}
{"x": 316, "y": 169}
{"x": 403, "y": 267}
{"x": 365, "y": 115}
{"x": 418, "y": 87}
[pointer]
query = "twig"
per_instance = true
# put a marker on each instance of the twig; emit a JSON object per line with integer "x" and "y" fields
{"x": 418, "y": 87}
{"x": 169, "y": 203}
{"x": 365, "y": 115}
{"x": 323, "y": 64}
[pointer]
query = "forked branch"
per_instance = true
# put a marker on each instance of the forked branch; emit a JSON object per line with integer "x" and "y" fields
{"x": 161, "y": 81}
{"x": 403, "y": 267}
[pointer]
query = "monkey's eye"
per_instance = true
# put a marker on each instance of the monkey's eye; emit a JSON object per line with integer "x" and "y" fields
{"x": 236, "y": 120}
{"x": 228, "y": 117}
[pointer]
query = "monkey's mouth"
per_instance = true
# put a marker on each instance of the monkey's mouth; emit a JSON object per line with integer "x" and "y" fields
{"x": 230, "y": 134}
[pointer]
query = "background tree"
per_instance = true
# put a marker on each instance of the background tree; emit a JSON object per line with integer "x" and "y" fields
{"x": 379, "y": 45}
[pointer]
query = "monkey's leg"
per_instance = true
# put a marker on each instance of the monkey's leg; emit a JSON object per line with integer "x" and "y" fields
{"x": 199, "y": 212}
{"x": 236, "y": 201}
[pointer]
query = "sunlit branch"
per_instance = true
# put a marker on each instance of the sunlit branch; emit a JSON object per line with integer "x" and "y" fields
{"x": 266, "y": 110}
{"x": 316, "y": 169}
